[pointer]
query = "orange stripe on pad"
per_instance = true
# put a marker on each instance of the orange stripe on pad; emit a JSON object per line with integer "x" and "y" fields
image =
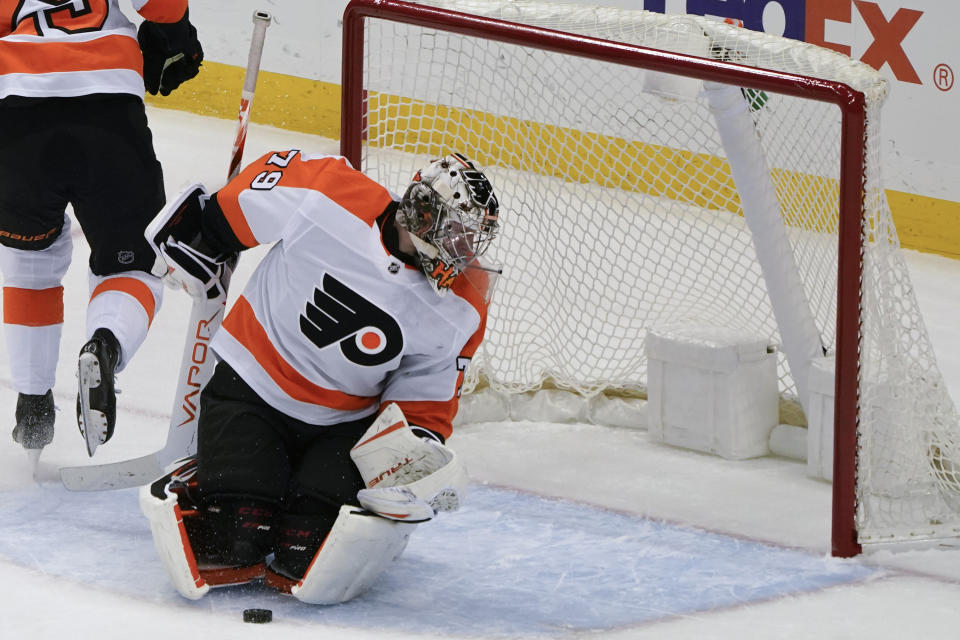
{"x": 233, "y": 575}
{"x": 132, "y": 287}
{"x": 187, "y": 548}
{"x": 243, "y": 325}
{"x": 33, "y": 307}
{"x": 390, "y": 429}
{"x": 313, "y": 561}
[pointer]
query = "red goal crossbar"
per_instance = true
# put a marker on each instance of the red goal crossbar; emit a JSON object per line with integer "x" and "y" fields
{"x": 852, "y": 106}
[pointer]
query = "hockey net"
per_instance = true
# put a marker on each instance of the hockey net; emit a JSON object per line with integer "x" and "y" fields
{"x": 634, "y": 198}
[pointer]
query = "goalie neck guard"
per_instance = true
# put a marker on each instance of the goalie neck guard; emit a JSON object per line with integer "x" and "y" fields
{"x": 452, "y": 214}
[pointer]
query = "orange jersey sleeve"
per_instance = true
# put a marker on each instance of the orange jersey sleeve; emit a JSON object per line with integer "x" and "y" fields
{"x": 258, "y": 203}
{"x": 161, "y": 10}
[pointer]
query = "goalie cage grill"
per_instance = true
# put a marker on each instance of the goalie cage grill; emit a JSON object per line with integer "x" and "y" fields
{"x": 637, "y": 179}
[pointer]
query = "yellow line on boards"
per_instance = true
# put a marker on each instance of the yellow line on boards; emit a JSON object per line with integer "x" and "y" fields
{"x": 926, "y": 224}
{"x": 298, "y": 104}
{"x": 282, "y": 101}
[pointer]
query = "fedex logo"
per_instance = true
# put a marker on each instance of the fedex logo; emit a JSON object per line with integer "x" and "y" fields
{"x": 806, "y": 20}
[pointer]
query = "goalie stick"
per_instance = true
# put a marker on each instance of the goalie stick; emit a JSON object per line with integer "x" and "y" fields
{"x": 197, "y": 361}
{"x": 261, "y": 20}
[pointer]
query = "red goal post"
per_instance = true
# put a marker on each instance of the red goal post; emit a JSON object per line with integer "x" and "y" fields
{"x": 850, "y": 102}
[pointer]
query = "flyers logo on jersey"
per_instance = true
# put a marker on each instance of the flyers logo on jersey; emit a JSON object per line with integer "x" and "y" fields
{"x": 367, "y": 335}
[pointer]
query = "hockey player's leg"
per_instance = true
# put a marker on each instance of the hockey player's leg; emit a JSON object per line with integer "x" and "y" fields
{"x": 231, "y": 537}
{"x": 219, "y": 541}
{"x": 33, "y": 320}
{"x": 328, "y": 548}
{"x": 35, "y": 418}
{"x": 242, "y": 475}
{"x": 96, "y": 394}
{"x": 119, "y": 314}
{"x": 119, "y": 192}
{"x": 340, "y": 565}
{"x": 298, "y": 537}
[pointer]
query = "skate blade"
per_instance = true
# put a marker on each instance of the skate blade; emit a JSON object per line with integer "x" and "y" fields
{"x": 89, "y": 371}
{"x": 93, "y": 426}
{"x": 93, "y": 423}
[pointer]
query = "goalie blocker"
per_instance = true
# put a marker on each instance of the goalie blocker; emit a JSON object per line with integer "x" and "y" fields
{"x": 408, "y": 479}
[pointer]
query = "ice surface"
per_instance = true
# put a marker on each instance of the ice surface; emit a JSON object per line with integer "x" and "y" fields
{"x": 509, "y": 563}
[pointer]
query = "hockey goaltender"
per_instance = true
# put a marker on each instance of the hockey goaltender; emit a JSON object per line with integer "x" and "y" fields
{"x": 321, "y": 437}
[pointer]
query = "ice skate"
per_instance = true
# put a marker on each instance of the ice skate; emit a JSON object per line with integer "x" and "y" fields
{"x": 96, "y": 399}
{"x": 34, "y": 429}
{"x": 35, "y": 417}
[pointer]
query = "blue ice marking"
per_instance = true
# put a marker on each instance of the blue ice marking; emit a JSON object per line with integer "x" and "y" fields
{"x": 508, "y": 563}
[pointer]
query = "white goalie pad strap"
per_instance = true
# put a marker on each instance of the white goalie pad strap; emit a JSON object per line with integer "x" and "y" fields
{"x": 173, "y": 546}
{"x": 358, "y": 549}
{"x": 406, "y": 477}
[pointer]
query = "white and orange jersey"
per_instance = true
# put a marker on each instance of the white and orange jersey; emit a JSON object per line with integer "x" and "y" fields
{"x": 74, "y": 47}
{"x": 331, "y": 326}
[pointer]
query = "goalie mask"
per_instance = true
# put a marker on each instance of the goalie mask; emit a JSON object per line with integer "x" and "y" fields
{"x": 451, "y": 213}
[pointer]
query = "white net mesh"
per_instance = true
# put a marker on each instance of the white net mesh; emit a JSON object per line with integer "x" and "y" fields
{"x": 621, "y": 213}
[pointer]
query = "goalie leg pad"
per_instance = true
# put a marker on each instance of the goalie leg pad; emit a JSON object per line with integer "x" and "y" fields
{"x": 232, "y": 532}
{"x": 170, "y": 538}
{"x": 200, "y": 552}
{"x": 406, "y": 477}
{"x": 358, "y": 549}
{"x": 299, "y": 536}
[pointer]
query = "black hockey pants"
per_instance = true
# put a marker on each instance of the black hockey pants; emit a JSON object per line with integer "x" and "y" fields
{"x": 94, "y": 152}
{"x": 246, "y": 448}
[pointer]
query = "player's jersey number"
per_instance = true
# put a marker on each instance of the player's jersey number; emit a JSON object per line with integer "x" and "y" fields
{"x": 37, "y": 17}
{"x": 266, "y": 180}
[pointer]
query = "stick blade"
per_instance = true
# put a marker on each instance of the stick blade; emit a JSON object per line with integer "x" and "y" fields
{"x": 117, "y": 475}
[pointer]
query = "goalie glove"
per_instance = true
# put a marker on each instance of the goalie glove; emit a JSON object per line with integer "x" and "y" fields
{"x": 407, "y": 478}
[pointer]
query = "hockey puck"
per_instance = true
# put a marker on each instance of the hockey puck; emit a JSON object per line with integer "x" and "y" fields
{"x": 257, "y": 615}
